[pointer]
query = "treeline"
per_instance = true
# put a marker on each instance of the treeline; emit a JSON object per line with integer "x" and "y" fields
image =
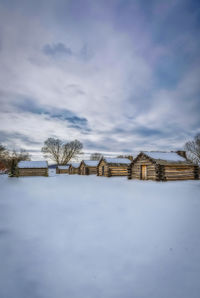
{"x": 62, "y": 152}
{"x": 9, "y": 159}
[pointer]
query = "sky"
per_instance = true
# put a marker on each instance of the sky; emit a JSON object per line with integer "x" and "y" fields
{"x": 118, "y": 75}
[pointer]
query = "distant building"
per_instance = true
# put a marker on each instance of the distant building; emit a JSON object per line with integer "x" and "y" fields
{"x": 162, "y": 166}
{"x": 32, "y": 168}
{"x": 113, "y": 167}
{"x": 74, "y": 168}
{"x": 62, "y": 169}
{"x": 88, "y": 167}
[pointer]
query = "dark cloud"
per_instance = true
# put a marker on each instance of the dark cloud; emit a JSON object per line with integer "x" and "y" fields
{"x": 138, "y": 130}
{"x": 12, "y": 137}
{"x": 57, "y": 50}
{"x": 96, "y": 146}
{"x": 30, "y": 105}
{"x": 148, "y": 132}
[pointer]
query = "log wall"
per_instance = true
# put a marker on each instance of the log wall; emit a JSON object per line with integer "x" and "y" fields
{"x": 32, "y": 172}
{"x": 73, "y": 171}
{"x": 106, "y": 169}
{"x": 86, "y": 170}
{"x": 180, "y": 172}
{"x": 135, "y": 169}
{"x": 112, "y": 170}
{"x": 159, "y": 172}
{"x": 91, "y": 170}
{"x": 118, "y": 170}
{"x": 59, "y": 171}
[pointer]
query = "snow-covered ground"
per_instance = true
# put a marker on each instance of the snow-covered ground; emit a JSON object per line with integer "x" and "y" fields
{"x": 94, "y": 237}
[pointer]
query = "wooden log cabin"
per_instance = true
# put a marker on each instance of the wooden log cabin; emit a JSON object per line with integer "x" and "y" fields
{"x": 74, "y": 168}
{"x": 109, "y": 167}
{"x": 32, "y": 168}
{"x": 88, "y": 167}
{"x": 62, "y": 169}
{"x": 162, "y": 166}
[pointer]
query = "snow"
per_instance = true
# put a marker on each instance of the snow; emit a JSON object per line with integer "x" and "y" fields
{"x": 87, "y": 236}
{"x": 168, "y": 156}
{"x": 32, "y": 164}
{"x": 91, "y": 163}
{"x": 63, "y": 167}
{"x": 75, "y": 164}
{"x": 118, "y": 160}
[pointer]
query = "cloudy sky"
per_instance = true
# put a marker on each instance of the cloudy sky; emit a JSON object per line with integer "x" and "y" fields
{"x": 118, "y": 75}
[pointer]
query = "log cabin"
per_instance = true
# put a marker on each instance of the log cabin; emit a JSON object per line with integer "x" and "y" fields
{"x": 162, "y": 166}
{"x": 32, "y": 168}
{"x": 62, "y": 169}
{"x": 74, "y": 168}
{"x": 109, "y": 167}
{"x": 88, "y": 167}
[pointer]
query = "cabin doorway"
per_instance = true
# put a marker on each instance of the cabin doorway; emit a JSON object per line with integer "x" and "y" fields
{"x": 102, "y": 170}
{"x": 143, "y": 172}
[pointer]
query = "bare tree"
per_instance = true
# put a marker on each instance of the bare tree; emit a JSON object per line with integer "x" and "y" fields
{"x": 193, "y": 149}
{"x": 3, "y": 157}
{"x": 19, "y": 156}
{"x": 6, "y": 155}
{"x": 2, "y": 148}
{"x": 10, "y": 159}
{"x": 14, "y": 158}
{"x": 96, "y": 156}
{"x": 61, "y": 152}
{"x": 3, "y": 153}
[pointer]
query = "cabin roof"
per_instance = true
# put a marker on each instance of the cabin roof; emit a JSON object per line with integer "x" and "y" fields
{"x": 75, "y": 164}
{"x": 166, "y": 157}
{"x": 66, "y": 167}
{"x": 91, "y": 163}
{"x": 117, "y": 160}
{"x": 32, "y": 164}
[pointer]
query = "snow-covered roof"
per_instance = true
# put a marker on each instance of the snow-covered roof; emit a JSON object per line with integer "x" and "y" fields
{"x": 117, "y": 160}
{"x": 32, "y": 164}
{"x": 91, "y": 163}
{"x": 75, "y": 164}
{"x": 167, "y": 156}
{"x": 63, "y": 167}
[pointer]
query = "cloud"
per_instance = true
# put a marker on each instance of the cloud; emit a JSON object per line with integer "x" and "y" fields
{"x": 30, "y": 105}
{"x": 132, "y": 80}
{"x": 57, "y": 50}
{"x": 13, "y": 138}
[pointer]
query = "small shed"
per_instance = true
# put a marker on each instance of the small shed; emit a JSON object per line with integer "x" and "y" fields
{"x": 162, "y": 166}
{"x": 32, "y": 168}
{"x": 74, "y": 168}
{"x": 88, "y": 167}
{"x": 62, "y": 169}
{"x": 113, "y": 167}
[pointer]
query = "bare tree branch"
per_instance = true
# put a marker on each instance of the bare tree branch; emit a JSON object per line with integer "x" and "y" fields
{"x": 193, "y": 149}
{"x": 96, "y": 156}
{"x": 61, "y": 152}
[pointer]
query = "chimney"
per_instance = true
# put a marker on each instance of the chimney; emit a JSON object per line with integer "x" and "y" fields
{"x": 181, "y": 153}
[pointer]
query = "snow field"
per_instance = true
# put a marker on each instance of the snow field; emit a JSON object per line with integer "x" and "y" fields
{"x": 87, "y": 236}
